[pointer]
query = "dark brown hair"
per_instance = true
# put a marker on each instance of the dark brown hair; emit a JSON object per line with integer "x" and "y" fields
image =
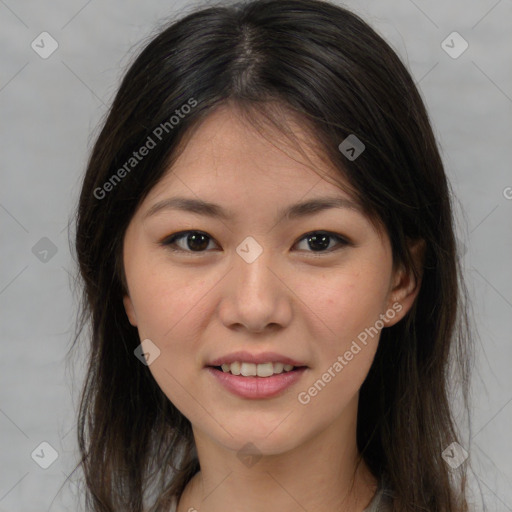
{"x": 327, "y": 67}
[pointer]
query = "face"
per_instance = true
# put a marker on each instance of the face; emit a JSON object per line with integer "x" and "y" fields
{"x": 313, "y": 288}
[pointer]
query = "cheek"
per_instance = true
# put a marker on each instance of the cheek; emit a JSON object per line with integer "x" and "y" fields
{"x": 169, "y": 307}
{"x": 341, "y": 304}
{"x": 172, "y": 307}
{"x": 343, "y": 309}
{"x": 165, "y": 298}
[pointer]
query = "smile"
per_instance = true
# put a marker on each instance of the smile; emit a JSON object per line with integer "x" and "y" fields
{"x": 253, "y": 370}
{"x": 252, "y": 385}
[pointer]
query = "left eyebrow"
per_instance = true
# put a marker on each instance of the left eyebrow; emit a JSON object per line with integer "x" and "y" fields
{"x": 213, "y": 210}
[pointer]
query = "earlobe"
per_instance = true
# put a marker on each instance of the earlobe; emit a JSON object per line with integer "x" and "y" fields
{"x": 407, "y": 283}
{"x": 130, "y": 311}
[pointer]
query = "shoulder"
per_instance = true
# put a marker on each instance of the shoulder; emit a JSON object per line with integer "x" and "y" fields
{"x": 382, "y": 501}
{"x": 386, "y": 501}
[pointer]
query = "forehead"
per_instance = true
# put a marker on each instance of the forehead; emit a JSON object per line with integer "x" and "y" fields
{"x": 226, "y": 155}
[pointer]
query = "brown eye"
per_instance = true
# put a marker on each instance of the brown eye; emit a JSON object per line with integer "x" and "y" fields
{"x": 193, "y": 241}
{"x": 320, "y": 241}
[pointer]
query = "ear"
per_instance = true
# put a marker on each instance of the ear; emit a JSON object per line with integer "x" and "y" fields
{"x": 406, "y": 286}
{"x": 130, "y": 310}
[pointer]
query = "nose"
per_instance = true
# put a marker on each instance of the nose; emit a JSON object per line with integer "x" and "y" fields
{"x": 255, "y": 297}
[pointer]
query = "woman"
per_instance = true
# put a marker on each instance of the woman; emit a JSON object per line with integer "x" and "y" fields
{"x": 266, "y": 244}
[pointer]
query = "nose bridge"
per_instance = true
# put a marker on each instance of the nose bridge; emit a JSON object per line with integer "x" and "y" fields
{"x": 253, "y": 270}
{"x": 255, "y": 296}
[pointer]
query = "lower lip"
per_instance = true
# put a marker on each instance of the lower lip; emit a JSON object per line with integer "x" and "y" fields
{"x": 257, "y": 387}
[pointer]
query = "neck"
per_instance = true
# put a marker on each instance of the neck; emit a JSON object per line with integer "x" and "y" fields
{"x": 319, "y": 474}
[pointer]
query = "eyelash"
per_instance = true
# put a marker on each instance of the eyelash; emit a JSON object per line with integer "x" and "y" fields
{"x": 169, "y": 241}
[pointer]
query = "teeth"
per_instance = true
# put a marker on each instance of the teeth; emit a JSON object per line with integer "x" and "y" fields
{"x": 248, "y": 369}
{"x": 278, "y": 367}
{"x": 265, "y": 370}
{"x": 235, "y": 368}
{"x": 252, "y": 369}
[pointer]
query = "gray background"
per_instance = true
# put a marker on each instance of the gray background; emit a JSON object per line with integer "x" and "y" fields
{"x": 50, "y": 111}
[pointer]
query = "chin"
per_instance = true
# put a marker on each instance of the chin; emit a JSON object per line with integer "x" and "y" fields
{"x": 260, "y": 440}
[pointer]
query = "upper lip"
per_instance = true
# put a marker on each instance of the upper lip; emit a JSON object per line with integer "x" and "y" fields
{"x": 247, "y": 357}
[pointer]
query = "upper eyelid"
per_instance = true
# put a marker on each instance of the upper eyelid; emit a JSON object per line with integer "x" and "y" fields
{"x": 182, "y": 234}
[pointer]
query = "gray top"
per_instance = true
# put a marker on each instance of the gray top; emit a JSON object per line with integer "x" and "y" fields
{"x": 381, "y": 502}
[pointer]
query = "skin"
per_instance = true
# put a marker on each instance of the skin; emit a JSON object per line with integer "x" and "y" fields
{"x": 197, "y": 306}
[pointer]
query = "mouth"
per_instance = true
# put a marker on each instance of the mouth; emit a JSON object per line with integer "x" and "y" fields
{"x": 256, "y": 376}
{"x": 256, "y": 381}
